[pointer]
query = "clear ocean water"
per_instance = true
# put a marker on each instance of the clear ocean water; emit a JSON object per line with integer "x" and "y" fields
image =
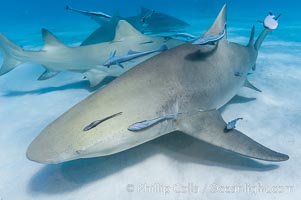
{"x": 173, "y": 166}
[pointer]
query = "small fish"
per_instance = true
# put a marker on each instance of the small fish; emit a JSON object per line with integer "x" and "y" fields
{"x": 270, "y": 22}
{"x": 231, "y": 125}
{"x": 239, "y": 74}
{"x": 90, "y": 13}
{"x": 147, "y": 42}
{"x": 210, "y": 39}
{"x": 139, "y": 126}
{"x": 187, "y": 36}
{"x": 97, "y": 122}
{"x": 147, "y": 16}
{"x": 117, "y": 60}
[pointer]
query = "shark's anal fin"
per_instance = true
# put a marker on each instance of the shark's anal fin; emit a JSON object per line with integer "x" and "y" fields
{"x": 209, "y": 126}
{"x": 251, "y": 86}
{"x": 261, "y": 38}
{"x": 48, "y": 74}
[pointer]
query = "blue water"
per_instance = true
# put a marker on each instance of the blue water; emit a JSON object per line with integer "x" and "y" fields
{"x": 27, "y": 106}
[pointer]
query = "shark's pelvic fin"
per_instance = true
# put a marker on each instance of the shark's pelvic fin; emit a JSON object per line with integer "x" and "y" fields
{"x": 251, "y": 86}
{"x": 219, "y": 24}
{"x": 9, "y": 51}
{"x": 252, "y": 36}
{"x": 48, "y": 74}
{"x": 96, "y": 75}
{"x": 124, "y": 29}
{"x": 209, "y": 126}
{"x": 51, "y": 41}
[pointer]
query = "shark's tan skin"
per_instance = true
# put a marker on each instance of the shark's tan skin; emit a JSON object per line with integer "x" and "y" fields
{"x": 190, "y": 79}
{"x": 57, "y": 57}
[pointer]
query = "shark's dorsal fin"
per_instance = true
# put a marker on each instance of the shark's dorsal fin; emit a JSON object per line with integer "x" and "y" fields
{"x": 251, "y": 41}
{"x": 219, "y": 24}
{"x": 124, "y": 29}
{"x": 51, "y": 41}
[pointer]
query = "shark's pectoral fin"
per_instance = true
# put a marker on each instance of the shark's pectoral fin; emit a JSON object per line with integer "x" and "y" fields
{"x": 48, "y": 74}
{"x": 251, "y": 86}
{"x": 209, "y": 127}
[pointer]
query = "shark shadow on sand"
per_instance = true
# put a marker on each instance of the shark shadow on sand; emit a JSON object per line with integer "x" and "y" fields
{"x": 70, "y": 176}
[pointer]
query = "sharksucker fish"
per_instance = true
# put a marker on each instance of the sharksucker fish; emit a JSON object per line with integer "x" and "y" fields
{"x": 186, "y": 36}
{"x": 97, "y": 122}
{"x": 139, "y": 126}
{"x": 231, "y": 125}
{"x": 195, "y": 80}
{"x": 90, "y": 13}
{"x": 118, "y": 60}
{"x": 147, "y": 16}
{"x": 210, "y": 39}
{"x": 56, "y": 57}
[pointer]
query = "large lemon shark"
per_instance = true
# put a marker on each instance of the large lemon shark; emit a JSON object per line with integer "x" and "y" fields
{"x": 147, "y": 21}
{"x": 56, "y": 57}
{"x": 178, "y": 90}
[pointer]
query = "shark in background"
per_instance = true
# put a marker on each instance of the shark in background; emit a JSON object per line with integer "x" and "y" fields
{"x": 56, "y": 57}
{"x": 179, "y": 90}
{"x": 147, "y": 21}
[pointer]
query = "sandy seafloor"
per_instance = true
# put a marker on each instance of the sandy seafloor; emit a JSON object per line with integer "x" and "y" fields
{"x": 174, "y": 166}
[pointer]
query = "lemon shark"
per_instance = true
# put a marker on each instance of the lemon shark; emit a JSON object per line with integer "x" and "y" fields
{"x": 178, "y": 90}
{"x": 155, "y": 23}
{"x": 56, "y": 57}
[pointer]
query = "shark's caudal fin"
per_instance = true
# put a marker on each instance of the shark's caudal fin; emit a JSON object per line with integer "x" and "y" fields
{"x": 210, "y": 127}
{"x": 124, "y": 29}
{"x": 10, "y": 52}
{"x": 219, "y": 24}
{"x": 261, "y": 38}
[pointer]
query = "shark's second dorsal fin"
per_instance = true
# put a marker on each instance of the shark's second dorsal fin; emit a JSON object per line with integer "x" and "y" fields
{"x": 51, "y": 41}
{"x": 219, "y": 24}
{"x": 251, "y": 41}
{"x": 124, "y": 29}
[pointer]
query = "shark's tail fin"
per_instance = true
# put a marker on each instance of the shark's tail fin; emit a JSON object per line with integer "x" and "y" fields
{"x": 9, "y": 51}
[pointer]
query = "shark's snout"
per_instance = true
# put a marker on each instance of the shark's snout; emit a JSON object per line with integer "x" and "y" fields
{"x": 41, "y": 152}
